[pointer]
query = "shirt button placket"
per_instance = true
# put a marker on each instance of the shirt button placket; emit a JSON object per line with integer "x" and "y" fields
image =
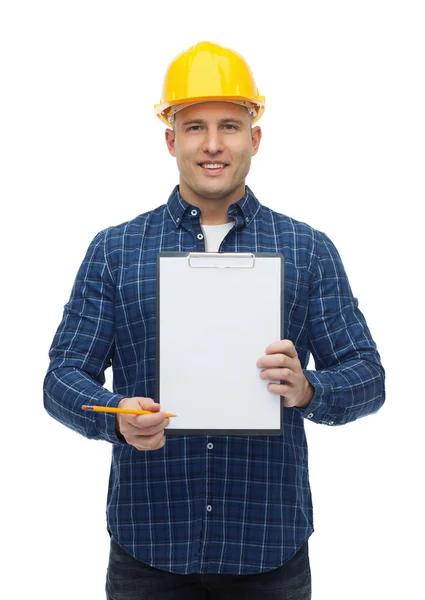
{"x": 199, "y": 236}
{"x": 210, "y": 446}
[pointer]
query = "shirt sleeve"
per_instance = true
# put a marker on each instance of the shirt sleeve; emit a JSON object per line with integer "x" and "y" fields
{"x": 82, "y": 349}
{"x": 349, "y": 378}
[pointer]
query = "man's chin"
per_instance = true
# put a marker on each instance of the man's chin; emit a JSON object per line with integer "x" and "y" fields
{"x": 215, "y": 193}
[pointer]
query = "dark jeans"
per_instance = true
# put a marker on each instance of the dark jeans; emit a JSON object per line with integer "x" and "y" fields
{"x": 130, "y": 579}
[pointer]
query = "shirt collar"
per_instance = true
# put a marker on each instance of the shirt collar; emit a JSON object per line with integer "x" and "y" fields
{"x": 243, "y": 211}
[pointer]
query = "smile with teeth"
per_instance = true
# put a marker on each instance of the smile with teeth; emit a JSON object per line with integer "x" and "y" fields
{"x": 213, "y": 165}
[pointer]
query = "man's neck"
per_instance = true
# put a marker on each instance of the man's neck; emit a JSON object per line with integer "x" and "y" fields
{"x": 214, "y": 216}
{"x": 214, "y": 211}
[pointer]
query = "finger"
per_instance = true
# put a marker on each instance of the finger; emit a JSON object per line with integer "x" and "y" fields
{"x": 132, "y": 429}
{"x": 146, "y": 421}
{"x": 278, "y": 374}
{"x": 289, "y": 402}
{"x": 134, "y": 433}
{"x": 147, "y": 432}
{"x": 280, "y": 389}
{"x": 283, "y": 346}
{"x": 277, "y": 360}
{"x": 149, "y": 404}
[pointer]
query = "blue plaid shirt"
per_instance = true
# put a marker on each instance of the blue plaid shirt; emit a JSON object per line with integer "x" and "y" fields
{"x": 208, "y": 504}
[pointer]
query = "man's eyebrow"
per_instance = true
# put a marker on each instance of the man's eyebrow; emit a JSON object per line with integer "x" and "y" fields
{"x": 237, "y": 121}
{"x": 193, "y": 121}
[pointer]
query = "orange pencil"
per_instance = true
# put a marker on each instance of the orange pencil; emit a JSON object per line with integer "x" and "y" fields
{"x": 125, "y": 411}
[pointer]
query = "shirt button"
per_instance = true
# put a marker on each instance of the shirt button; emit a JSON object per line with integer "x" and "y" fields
{"x": 309, "y": 415}
{"x": 209, "y": 508}
{"x": 200, "y": 236}
{"x": 193, "y": 212}
{"x": 331, "y": 422}
{"x": 178, "y": 219}
{"x": 210, "y": 446}
{"x": 247, "y": 219}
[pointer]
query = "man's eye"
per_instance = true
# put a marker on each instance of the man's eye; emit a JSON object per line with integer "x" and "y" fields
{"x": 194, "y": 128}
{"x": 229, "y": 126}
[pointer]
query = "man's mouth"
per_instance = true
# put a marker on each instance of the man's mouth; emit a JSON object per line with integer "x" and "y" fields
{"x": 213, "y": 167}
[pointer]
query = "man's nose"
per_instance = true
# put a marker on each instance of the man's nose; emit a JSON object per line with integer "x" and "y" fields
{"x": 213, "y": 142}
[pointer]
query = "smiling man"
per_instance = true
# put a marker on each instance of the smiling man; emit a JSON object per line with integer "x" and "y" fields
{"x": 213, "y": 143}
{"x": 209, "y": 517}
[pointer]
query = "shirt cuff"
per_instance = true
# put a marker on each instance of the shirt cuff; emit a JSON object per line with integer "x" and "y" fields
{"x": 105, "y": 423}
{"x": 318, "y": 408}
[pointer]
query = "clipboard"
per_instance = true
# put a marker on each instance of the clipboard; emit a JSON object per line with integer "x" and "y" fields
{"x": 216, "y": 314}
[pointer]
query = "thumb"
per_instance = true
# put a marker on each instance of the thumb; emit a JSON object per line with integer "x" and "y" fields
{"x": 148, "y": 404}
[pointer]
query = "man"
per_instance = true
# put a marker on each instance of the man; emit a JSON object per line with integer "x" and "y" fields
{"x": 222, "y": 517}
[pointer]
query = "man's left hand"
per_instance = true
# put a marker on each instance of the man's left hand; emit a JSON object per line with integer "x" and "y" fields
{"x": 282, "y": 363}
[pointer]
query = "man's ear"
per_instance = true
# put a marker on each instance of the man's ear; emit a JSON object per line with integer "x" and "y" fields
{"x": 170, "y": 141}
{"x": 256, "y": 134}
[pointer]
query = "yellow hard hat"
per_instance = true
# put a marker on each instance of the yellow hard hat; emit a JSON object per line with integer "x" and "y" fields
{"x": 206, "y": 72}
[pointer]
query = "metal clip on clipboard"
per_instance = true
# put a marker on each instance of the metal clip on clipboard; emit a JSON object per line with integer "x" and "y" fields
{"x": 222, "y": 260}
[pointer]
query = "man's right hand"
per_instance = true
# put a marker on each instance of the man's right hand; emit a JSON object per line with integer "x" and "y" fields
{"x": 144, "y": 432}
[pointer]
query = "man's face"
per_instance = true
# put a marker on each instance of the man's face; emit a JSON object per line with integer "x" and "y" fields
{"x": 213, "y": 143}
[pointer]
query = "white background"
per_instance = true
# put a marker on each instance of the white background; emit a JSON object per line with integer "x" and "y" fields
{"x": 342, "y": 149}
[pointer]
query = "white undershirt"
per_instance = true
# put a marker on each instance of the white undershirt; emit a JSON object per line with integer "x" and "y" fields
{"x": 214, "y": 235}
